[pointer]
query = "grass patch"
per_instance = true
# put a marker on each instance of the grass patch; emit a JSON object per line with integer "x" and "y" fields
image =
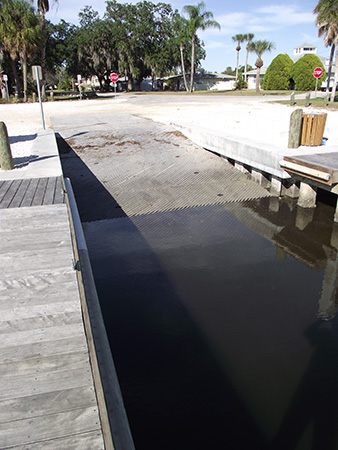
{"x": 314, "y": 103}
{"x": 243, "y": 93}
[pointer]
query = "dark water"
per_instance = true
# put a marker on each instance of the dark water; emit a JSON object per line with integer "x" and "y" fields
{"x": 222, "y": 324}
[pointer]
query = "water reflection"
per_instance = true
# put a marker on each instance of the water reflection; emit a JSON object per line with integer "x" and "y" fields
{"x": 212, "y": 317}
{"x": 311, "y": 418}
{"x": 309, "y": 235}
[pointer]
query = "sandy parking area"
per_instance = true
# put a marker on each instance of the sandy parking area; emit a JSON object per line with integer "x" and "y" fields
{"x": 240, "y": 117}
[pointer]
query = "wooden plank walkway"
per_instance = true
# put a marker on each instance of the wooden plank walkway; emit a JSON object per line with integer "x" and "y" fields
{"x": 31, "y": 192}
{"x": 47, "y": 394}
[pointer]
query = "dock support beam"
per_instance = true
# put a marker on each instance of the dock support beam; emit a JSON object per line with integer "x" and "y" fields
{"x": 307, "y": 196}
{"x": 276, "y": 186}
{"x": 290, "y": 190}
{"x": 259, "y": 177}
{"x": 239, "y": 166}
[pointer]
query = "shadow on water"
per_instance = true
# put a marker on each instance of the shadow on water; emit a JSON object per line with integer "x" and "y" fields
{"x": 212, "y": 316}
{"x": 314, "y": 407}
{"x": 176, "y": 394}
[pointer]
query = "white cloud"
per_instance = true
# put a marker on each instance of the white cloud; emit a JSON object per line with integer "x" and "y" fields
{"x": 284, "y": 15}
{"x": 262, "y": 20}
{"x": 210, "y": 44}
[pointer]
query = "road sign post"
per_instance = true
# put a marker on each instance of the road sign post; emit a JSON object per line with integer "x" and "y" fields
{"x": 37, "y": 75}
{"x": 317, "y": 73}
{"x": 114, "y": 78}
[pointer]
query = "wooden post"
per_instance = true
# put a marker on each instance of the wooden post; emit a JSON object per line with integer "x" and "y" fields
{"x": 326, "y": 99}
{"x": 295, "y": 128}
{"x": 6, "y": 159}
{"x": 292, "y": 99}
{"x": 307, "y": 99}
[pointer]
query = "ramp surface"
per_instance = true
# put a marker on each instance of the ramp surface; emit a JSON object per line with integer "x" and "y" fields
{"x": 135, "y": 166}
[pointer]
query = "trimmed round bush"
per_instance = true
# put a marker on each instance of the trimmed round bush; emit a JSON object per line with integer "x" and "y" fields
{"x": 278, "y": 74}
{"x": 302, "y": 73}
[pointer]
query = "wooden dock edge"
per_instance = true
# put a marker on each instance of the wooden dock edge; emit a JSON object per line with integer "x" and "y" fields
{"x": 114, "y": 421}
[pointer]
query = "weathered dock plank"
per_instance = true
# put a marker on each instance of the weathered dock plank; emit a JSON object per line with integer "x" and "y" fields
{"x": 47, "y": 394}
{"x": 28, "y": 192}
{"x": 37, "y": 429}
{"x": 91, "y": 440}
{"x": 49, "y": 403}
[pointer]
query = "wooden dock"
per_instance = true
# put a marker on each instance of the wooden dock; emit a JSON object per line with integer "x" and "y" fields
{"x": 319, "y": 167}
{"x": 47, "y": 394}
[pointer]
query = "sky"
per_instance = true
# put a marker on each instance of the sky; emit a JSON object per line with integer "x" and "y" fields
{"x": 287, "y": 24}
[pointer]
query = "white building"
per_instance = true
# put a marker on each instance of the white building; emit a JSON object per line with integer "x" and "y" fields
{"x": 306, "y": 49}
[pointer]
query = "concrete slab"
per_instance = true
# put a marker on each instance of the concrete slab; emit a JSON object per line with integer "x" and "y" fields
{"x": 43, "y": 161}
{"x": 264, "y": 156}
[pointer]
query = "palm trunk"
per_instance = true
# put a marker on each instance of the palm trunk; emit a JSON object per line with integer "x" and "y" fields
{"x": 192, "y": 63}
{"x": 24, "y": 76}
{"x": 335, "y": 80}
{"x": 16, "y": 78}
{"x": 258, "y": 80}
{"x": 183, "y": 67}
{"x": 246, "y": 65}
{"x": 333, "y": 46}
{"x": 237, "y": 64}
{"x": 2, "y": 84}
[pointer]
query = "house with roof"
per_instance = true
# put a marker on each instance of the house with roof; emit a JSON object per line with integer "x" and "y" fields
{"x": 202, "y": 81}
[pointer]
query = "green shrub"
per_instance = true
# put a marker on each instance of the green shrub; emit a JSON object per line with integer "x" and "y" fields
{"x": 240, "y": 83}
{"x": 302, "y": 73}
{"x": 65, "y": 84}
{"x": 278, "y": 74}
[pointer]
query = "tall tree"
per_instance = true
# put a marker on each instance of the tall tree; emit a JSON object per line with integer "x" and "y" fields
{"x": 43, "y": 8}
{"x": 248, "y": 39}
{"x": 239, "y": 38}
{"x": 260, "y": 47}
{"x": 327, "y": 23}
{"x": 181, "y": 29}
{"x": 20, "y": 31}
{"x": 198, "y": 19}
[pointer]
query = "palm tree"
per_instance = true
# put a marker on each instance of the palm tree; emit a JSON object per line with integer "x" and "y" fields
{"x": 181, "y": 25}
{"x": 198, "y": 19}
{"x": 43, "y": 8}
{"x": 239, "y": 38}
{"x": 20, "y": 32}
{"x": 327, "y": 23}
{"x": 248, "y": 39}
{"x": 260, "y": 47}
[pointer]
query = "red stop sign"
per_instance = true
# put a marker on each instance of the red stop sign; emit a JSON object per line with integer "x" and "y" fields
{"x": 114, "y": 77}
{"x": 318, "y": 72}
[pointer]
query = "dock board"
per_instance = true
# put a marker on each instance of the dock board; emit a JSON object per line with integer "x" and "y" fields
{"x": 321, "y": 167}
{"x": 31, "y": 192}
{"x": 47, "y": 394}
